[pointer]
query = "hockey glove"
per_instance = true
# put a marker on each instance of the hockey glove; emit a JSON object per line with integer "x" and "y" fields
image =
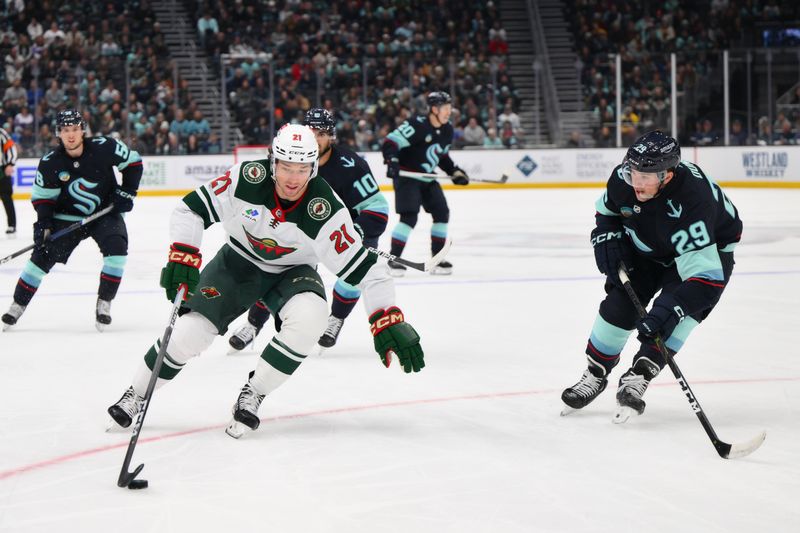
{"x": 662, "y": 319}
{"x": 41, "y": 231}
{"x": 183, "y": 268}
{"x": 393, "y": 168}
{"x": 392, "y": 334}
{"x": 610, "y": 249}
{"x": 123, "y": 200}
{"x": 459, "y": 177}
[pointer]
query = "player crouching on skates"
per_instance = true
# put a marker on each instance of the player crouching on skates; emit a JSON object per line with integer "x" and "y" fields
{"x": 73, "y": 182}
{"x": 280, "y": 222}
{"x": 674, "y": 230}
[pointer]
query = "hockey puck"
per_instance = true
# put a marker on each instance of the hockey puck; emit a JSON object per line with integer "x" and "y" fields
{"x": 137, "y": 484}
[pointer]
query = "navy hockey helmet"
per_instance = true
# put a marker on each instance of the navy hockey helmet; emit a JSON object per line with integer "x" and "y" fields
{"x": 437, "y": 98}
{"x": 654, "y": 152}
{"x": 69, "y": 117}
{"x": 320, "y": 119}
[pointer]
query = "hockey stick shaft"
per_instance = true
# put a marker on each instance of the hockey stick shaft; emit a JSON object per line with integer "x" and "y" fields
{"x": 723, "y": 449}
{"x": 427, "y": 266}
{"x": 125, "y": 477}
{"x": 411, "y": 174}
{"x": 60, "y": 233}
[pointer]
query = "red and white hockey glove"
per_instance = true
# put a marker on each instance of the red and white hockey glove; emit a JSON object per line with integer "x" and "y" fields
{"x": 183, "y": 268}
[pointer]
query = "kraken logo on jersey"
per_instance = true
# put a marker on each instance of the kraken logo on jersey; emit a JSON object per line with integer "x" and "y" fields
{"x": 265, "y": 248}
{"x": 87, "y": 202}
{"x": 432, "y": 154}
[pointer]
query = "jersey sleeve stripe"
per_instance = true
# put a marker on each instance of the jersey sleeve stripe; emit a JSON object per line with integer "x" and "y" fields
{"x": 209, "y": 203}
{"x": 355, "y": 277}
{"x": 133, "y": 159}
{"x": 351, "y": 265}
{"x": 703, "y": 263}
{"x": 193, "y": 201}
{"x": 44, "y": 193}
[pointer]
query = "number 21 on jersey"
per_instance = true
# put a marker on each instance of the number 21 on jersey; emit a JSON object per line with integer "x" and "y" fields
{"x": 341, "y": 239}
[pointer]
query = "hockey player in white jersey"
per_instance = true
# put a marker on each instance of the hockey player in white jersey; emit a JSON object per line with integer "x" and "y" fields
{"x": 280, "y": 222}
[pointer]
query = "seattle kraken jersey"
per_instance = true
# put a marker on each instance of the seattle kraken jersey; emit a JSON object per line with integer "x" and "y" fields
{"x": 70, "y": 188}
{"x": 350, "y": 177}
{"x": 688, "y": 222}
{"x": 421, "y": 146}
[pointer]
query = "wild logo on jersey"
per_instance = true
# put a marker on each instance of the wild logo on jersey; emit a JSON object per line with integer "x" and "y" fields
{"x": 265, "y": 248}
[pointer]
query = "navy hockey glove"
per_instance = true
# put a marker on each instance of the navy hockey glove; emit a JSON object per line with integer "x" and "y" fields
{"x": 459, "y": 177}
{"x": 41, "y": 231}
{"x": 610, "y": 249}
{"x": 393, "y": 334}
{"x": 393, "y": 168}
{"x": 183, "y": 268}
{"x": 123, "y": 200}
{"x": 662, "y": 319}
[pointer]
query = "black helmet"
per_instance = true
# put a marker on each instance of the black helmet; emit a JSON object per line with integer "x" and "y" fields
{"x": 320, "y": 119}
{"x": 69, "y": 117}
{"x": 437, "y": 98}
{"x": 654, "y": 151}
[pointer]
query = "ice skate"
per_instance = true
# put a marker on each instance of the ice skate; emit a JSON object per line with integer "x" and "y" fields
{"x": 444, "y": 268}
{"x": 245, "y": 412}
{"x": 396, "y": 269}
{"x": 102, "y": 314}
{"x": 125, "y": 410}
{"x": 632, "y": 386}
{"x": 243, "y": 336}
{"x": 13, "y": 314}
{"x": 584, "y": 391}
{"x": 11, "y": 231}
{"x": 328, "y": 338}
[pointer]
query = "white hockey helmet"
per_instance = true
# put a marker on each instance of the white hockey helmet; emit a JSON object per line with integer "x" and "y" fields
{"x": 297, "y": 144}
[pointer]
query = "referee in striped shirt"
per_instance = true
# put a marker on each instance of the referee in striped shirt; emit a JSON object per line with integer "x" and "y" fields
{"x": 7, "y": 160}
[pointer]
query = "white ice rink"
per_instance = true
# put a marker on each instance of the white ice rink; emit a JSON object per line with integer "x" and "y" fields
{"x": 474, "y": 443}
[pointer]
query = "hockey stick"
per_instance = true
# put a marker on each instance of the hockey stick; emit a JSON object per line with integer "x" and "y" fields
{"x": 427, "y": 266}
{"x": 410, "y": 174}
{"x": 60, "y": 233}
{"x": 126, "y": 478}
{"x": 725, "y": 450}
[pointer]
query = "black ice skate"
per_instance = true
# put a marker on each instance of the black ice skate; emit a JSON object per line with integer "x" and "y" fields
{"x": 243, "y": 336}
{"x": 632, "y": 386}
{"x": 589, "y": 387}
{"x": 102, "y": 314}
{"x": 396, "y": 269}
{"x": 13, "y": 314}
{"x": 124, "y": 411}
{"x": 444, "y": 268}
{"x": 328, "y": 338}
{"x": 245, "y": 412}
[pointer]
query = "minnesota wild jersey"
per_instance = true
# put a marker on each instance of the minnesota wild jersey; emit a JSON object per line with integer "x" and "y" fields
{"x": 274, "y": 234}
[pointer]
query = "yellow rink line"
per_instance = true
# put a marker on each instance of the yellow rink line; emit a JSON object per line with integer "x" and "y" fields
{"x": 474, "y": 186}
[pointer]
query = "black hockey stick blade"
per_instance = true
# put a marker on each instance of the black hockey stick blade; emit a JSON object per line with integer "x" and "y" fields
{"x": 426, "y": 266}
{"x": 126, "y": 477}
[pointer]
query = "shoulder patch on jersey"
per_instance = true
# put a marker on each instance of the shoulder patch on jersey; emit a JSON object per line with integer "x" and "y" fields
{"x": 626, "y": 212}
{"x": 319, "y": 208}
{"x": 254, "y": 172}
{"x": 63, "y": 175}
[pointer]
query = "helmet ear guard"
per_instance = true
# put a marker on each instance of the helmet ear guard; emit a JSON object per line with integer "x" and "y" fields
{"x": 295, "y": 143}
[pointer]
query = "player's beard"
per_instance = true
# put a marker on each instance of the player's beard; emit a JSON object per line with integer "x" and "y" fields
{"x": 325, "y": 152}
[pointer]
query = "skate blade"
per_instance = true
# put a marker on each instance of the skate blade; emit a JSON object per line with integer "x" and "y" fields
{"x": 623, "y": 414}
{"x": 7, "y": 327}
{"x": 100, "y": 326}
{"x": 438, "y": 271}
{"x": 236, "y": 429}
{"x": 113, "y": 427}
{"x": 318, "y": 350}
{"x": 567, "y": 410}
{"x": 396, "y": 274}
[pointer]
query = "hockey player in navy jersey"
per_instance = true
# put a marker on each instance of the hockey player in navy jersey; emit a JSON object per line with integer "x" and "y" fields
{"x": 674, "y": 230}
{"x": 350, "y": 177}
{"x": 72, "y": 182}
{"x": 280, "y": 222}
{"x": 420, "y": 144}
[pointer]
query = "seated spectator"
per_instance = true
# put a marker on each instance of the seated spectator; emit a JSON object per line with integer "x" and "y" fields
{"x": 575, "y": 140}
{"x": 508, "y": 136}
{"x": 54, "y": 97}
{"x": 738, "y": 137}
{"x": 15, "y": 97}
{"x": 605, "y": 139}
{"x": 491, "y": 140}
{"x": 207, "y": 26}
{"x": 707, "y": 136}
{"x": 474, "y": 134}
{"x": 786, "y": 136}
{"x": 508, "y": 115}
{"x": 23, "y": 120}
{"x": 764, "y": 135}
{"x": 199, "y": 127}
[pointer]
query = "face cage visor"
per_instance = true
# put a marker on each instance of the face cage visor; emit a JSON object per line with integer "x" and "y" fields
{"x": 627, "y": 174}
